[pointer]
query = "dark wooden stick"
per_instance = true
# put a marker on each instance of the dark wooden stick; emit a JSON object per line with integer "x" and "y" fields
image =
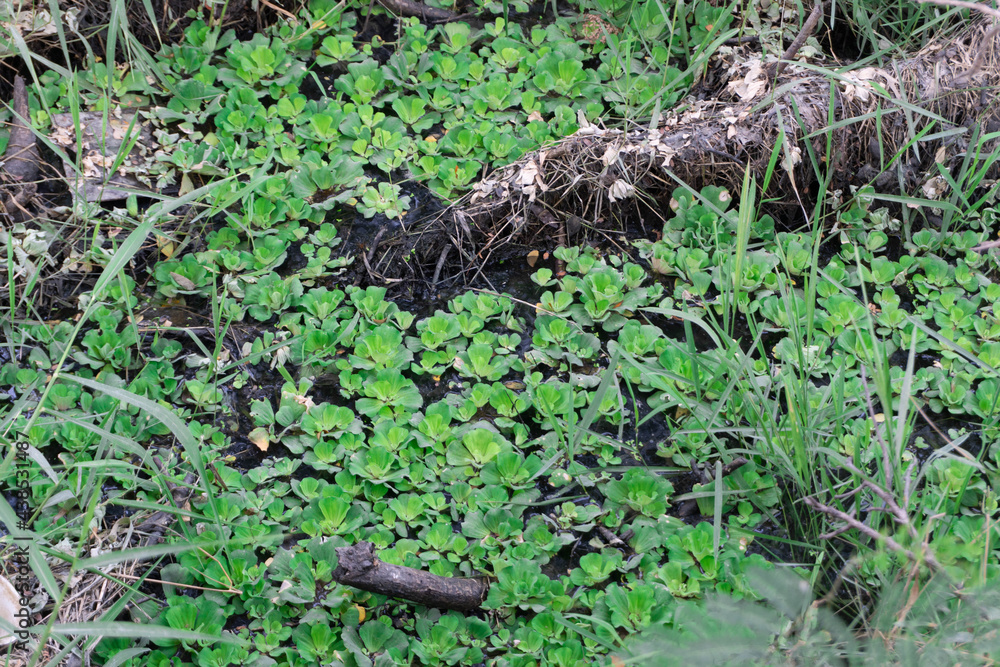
{"x": 21, "y": 158}
{"x": 774, "y": 69}
{"x": 358, "y": 566}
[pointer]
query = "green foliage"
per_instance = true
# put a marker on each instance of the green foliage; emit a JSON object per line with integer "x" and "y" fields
{"x": 641, "y": 491}
{"x": 492, "y": 439}
{"x": 927, "y": 625}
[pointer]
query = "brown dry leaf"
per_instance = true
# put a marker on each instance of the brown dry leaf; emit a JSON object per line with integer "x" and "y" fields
{"x": 934, "y": 188}
{"x": 182, "y": 282}
{"x": 534, "y": 115}
{"x": 528, "y": 173}
{"x": 620, "y": 189}
{"x": 533, "y": 258}
{"x": 751, "y": 85}
{"x": 63, "y": 136}
{"x": 791, "y": 158}
{"x": 260, "y": 437}
{"x": 186, "y": 185}
{"x": 610, "y": 155}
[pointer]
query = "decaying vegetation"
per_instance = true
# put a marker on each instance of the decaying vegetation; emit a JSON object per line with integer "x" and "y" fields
{"x": 896, "y": 126}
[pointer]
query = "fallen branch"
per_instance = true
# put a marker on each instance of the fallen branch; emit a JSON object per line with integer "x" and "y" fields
{"x": 359, "y": 567}
{"x": 823, "y": 120}
{"x": 20, "y": 161}
{"x": 775, "y": 69}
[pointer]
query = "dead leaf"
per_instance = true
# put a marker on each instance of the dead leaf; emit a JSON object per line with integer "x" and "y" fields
{"x": 533, "y": 258}
{"x": 935, "y": 187}
{"x": 182, "y": 282}
{"x": 751, "y": 85}
{"x": 528, "y": 173}
{"x": 610, "y": 155}
{"x": 791, "y": 158}
{"x": 620, "y": 189}
{"x": 260, "y": 437}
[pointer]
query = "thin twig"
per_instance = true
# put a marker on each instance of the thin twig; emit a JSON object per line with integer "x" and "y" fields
{"x": 945, "y": 438}
{"x": 230, "y": 590}
{"x": 378, "y": 237}
{"x": 280, "y": 10}
{"x": 974, "y": 6}
{"x": 440, "y": 265}
{"x": 977, "y": 64}
{"x": 867, "y": 531}
{"x": 899, "y": 514}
